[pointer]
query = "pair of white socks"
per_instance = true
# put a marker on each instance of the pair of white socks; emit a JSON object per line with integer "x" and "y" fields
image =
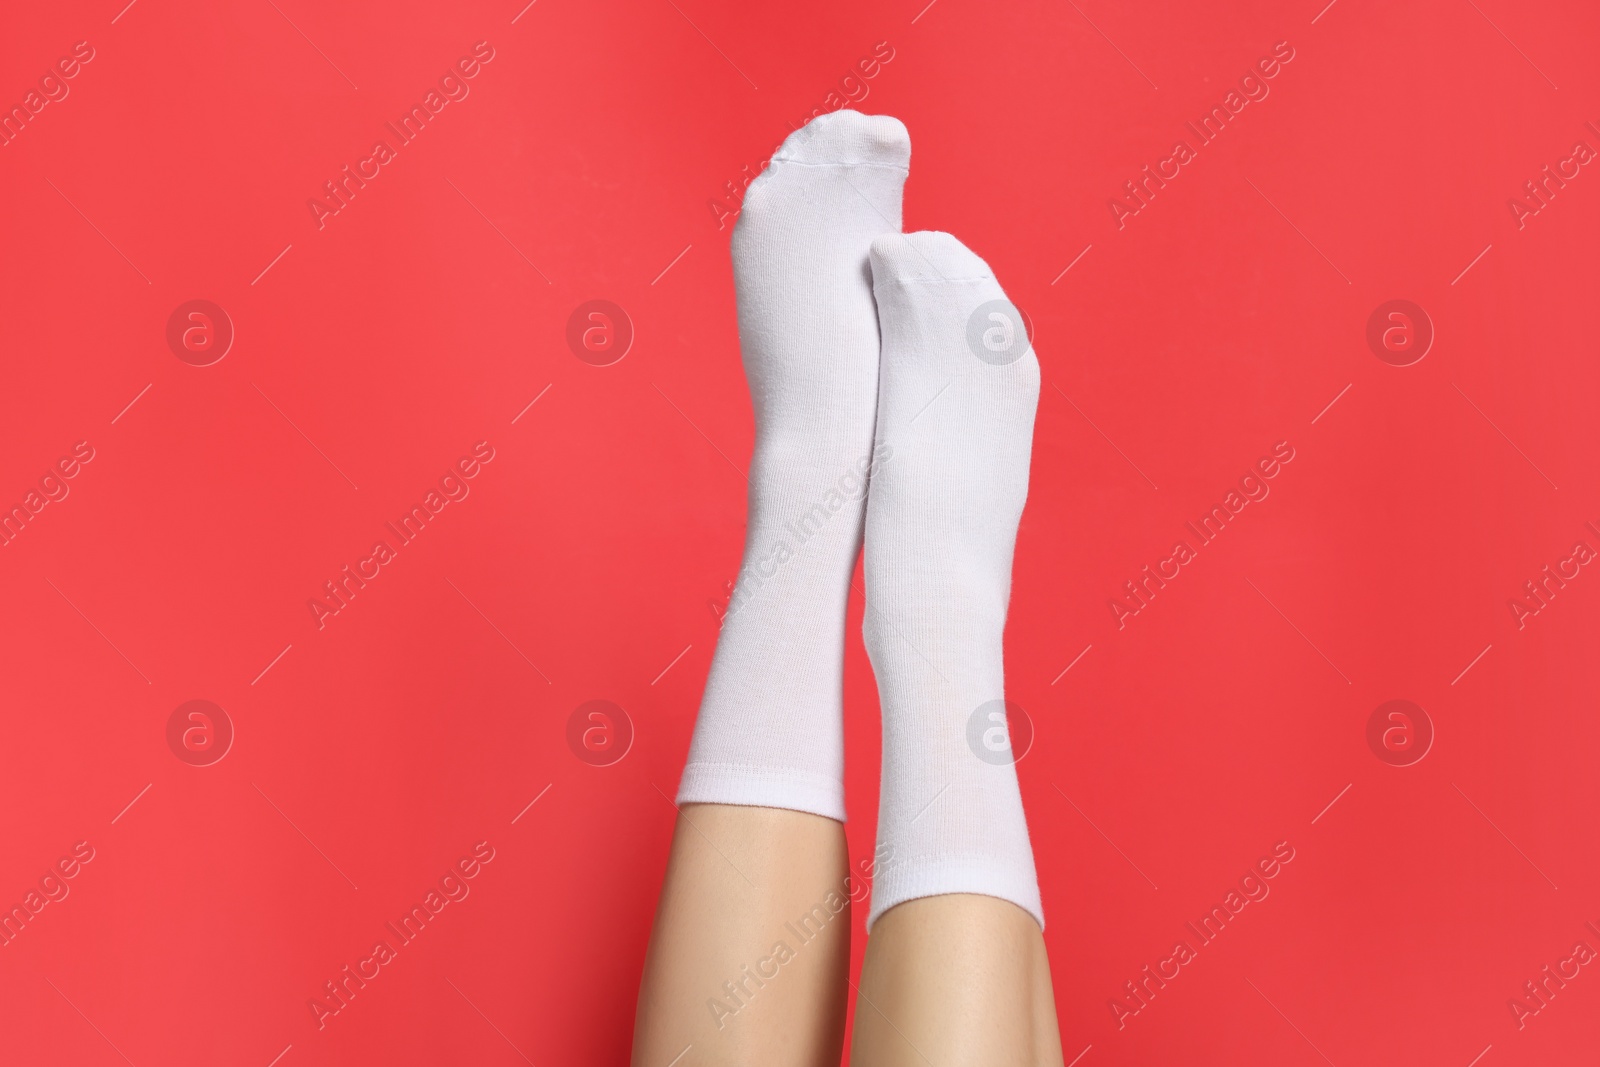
{"x": 893, "y": 362}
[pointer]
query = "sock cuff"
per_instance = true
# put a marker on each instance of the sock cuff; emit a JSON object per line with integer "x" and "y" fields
{"x": 932, "y": 876}
{"x": 748, "y": 785}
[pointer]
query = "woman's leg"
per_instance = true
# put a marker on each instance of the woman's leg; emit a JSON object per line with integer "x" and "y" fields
{"x": 956, "y": 970}
{"x": 747, "y": 962}
{"x": 744, "y": 967}
{"x": 955, "y": 979}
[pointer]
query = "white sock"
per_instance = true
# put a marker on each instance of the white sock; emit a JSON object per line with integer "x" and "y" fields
{"x": 770, "y": 730}
{"x": 958, "y": 385}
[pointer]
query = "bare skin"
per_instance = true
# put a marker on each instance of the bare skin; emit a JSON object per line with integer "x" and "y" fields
{"x": 955, "y": 979}
{"x": 735, "y": 878}
{"x": 949, "y": 980}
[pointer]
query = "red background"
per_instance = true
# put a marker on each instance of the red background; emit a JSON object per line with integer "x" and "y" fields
{"x": 427, "y": 714}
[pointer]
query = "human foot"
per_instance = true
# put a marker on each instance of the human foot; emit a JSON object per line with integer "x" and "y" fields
{"x": 770, "y": 728}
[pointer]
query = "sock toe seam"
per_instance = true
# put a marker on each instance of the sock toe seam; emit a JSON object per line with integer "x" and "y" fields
{"x": 790, "y": 161}
{"x": 905, "y": 280}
